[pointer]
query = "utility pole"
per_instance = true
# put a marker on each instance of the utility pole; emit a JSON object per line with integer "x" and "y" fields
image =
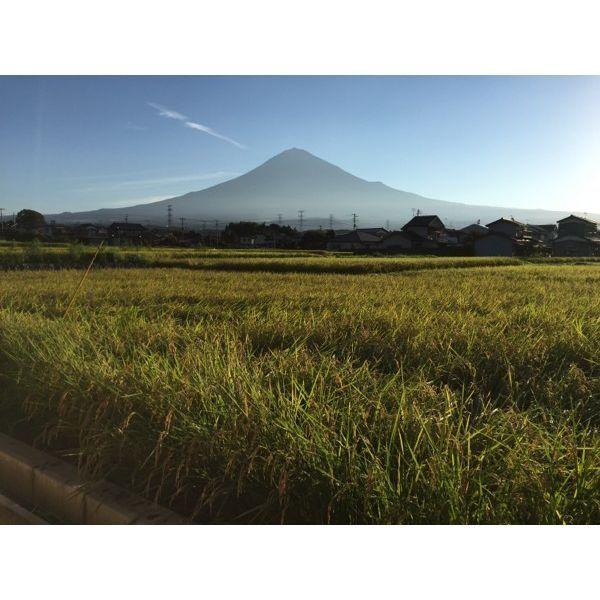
{"x": 2, "y": 219}
{"x": 331, "y": 222}
{"x": 169, "y": 215}
{"x": 301, "y": 218}
{"x": 354, "y": 217}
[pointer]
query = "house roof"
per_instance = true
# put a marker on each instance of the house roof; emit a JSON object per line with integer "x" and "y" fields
{"x": 474, "y": 227}
{"x": 378, "y": 231}
{"x": 572, "y": 238}
{"x": 422, "y": 221}
{"x": 576, "y": 218}
{"x": 511, "y": 221}
{"x": 356, "y": 236}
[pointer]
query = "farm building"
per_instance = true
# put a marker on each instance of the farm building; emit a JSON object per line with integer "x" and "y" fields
{"x": 573, "y": 245}
{"x": 126, "y": 233}
{"x": 545, "y": 233}
{"x": 400, "y": 241}
{"x": 494, "y": 244}
{"x": 577, "y": 226}
{"x": 379, "y": 232}
{"x": 472, "y": 231}
{"x": 508, "y": 227}
{"x": 355, "y": 240}
{"x": 425, "y": 226}
{"x": 88, "y": 232}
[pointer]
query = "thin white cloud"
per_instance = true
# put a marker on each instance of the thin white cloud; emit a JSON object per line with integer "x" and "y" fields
{"x": 205, "y": 129}
{"x": 163, "y": 111}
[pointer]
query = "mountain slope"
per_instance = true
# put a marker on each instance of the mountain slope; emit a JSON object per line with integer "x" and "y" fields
{"x": 297, "y": 180}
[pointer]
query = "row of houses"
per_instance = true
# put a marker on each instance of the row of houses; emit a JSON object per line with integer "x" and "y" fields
{"x": 572, "y": 236}
{"x": 425, "y": 234}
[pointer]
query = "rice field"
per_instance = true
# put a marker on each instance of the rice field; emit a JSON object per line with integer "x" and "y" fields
{"x": 313, "y": 388}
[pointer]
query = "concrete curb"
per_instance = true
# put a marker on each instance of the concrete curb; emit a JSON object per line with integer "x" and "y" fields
{"x": 14, "y": 514}
{"x": 54, "y": 487}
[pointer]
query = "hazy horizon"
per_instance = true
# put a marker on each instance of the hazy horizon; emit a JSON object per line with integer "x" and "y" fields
{"x": 84, "y": 143}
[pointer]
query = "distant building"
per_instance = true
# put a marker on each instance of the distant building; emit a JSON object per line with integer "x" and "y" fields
{"x": 508, "y": 227}
{"x": 576, "y": 237}
{"x": 426, "y": 226}
{"x": 494, "y": 244}
{"x": 247, "y": 242}
{"x": 472, "y": 231}
{"x": 398, "y": 240}
{"x": 407, "y": 240}
{"x": 577, "y": 226}
{"x": 545, "y": 232}
{"x": 355, "y": 240}
{"x": 379, "y": 232}
{"x": 572, "y": 245}
{"x": 126, "y": 233}
{"x": 90, "y": 233}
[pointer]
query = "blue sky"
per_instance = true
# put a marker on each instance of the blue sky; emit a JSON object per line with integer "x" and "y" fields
{"x": 78, "y": 143}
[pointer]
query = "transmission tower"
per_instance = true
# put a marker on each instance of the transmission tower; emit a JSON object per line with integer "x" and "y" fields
{"x": 330, "y": 221}
{"x": 169, "y": 215}
{"x": 2, "y": 219}
{"x": 182, "y": 219}
{"x": 301, "y": 219}
{"x": 279, "y": 219}
{"x": 354, "y": 217}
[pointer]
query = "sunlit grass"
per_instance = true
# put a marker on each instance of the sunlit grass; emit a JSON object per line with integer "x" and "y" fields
{"x": 460, "y": 395}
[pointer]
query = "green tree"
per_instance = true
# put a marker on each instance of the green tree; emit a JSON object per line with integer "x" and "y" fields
{"x": 28, "y": 220}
